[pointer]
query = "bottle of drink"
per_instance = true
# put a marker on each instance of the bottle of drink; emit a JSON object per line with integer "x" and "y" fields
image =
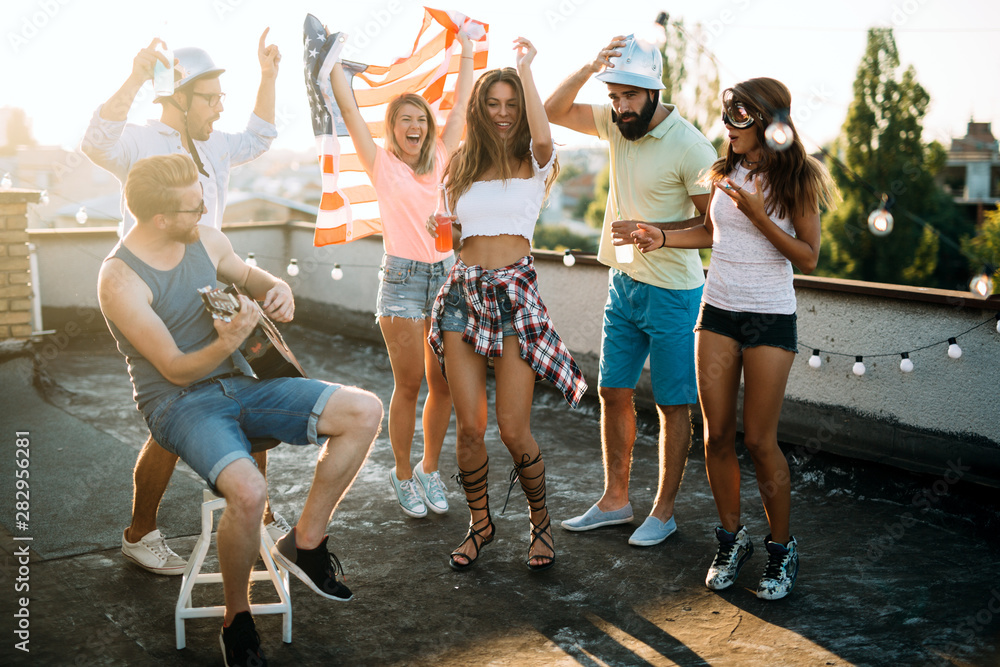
{"x": 444, "y": 218}
{"x": 163, "y": 76}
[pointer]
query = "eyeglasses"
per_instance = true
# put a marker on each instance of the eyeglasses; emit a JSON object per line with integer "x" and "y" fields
{"x": 213, "y": 99}
{"x": 201, "y": 210}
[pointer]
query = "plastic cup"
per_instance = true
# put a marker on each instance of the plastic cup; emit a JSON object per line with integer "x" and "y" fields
{"x": 443, "y": 241}
{"x": 163, "y": 76}
{"x": 624, "y": 254}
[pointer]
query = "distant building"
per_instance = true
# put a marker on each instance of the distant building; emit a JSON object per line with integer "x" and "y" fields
{"x": 258, "y": 207}
{"x": 972, "y": 172}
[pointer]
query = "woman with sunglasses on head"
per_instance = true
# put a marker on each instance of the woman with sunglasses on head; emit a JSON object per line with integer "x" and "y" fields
{"x": 406, "y": 174}
{"x": 763, "y": 219}
{"x": 489, "y": 308}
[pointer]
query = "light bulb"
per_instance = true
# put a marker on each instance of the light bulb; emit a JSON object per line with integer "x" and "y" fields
{"x": 859, "y": 366}
{"x": 998, "y": 322}
{"x": 814, "y": 360}
{"x": 982, "y": 285}
{"x": 568, "y": 258}
{"x": 43, "y": 198}
{"x": 251, "y": 259}
{"x": 81, "y": 215}
{"x": 954, "y": 351}
{"x": 779, "y": 135}
{"x": 880, "y": 221}
{"x": 337, "y": 273}
{"x": 293, "y": 268}
{"x": 6, "y": 183}
{"x": 906, "y": 365}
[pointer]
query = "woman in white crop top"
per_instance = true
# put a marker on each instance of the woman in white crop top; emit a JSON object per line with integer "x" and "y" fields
{"x": 763, "y": 218}
{"x": 489, "y": 309}
{"x": 406, "y": 174}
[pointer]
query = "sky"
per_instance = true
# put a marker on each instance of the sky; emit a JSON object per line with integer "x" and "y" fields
{"x": 60, "y": 59}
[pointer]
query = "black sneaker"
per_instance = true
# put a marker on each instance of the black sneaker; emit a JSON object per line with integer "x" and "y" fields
{"x": 318, "y": 568}
{"x": 241, "y": 644}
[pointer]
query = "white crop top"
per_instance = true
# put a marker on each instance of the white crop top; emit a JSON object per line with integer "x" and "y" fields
{"x": 492, "y": 208}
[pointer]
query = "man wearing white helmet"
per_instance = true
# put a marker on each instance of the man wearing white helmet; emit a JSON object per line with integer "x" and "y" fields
{"x": 185, "y": 126}
{"x": 657, "y": 158}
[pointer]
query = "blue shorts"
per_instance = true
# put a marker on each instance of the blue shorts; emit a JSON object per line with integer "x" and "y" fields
{"x": 408, "y": 287}
{"x": 210, "y": 424}
{"x": 642, "y": 321}
{"x": 751, "y": 329}
{"x": 455, "y": 314}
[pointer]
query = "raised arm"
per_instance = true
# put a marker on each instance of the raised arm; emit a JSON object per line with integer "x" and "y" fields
{"x": 538, "y": 122}
{"x": 561, "y": 106}
{"x": 274, "y": 293}
{"x": 455, "y": 125}
{"x": 356, "y": 125}
{"x": 125, "y": 302}
{"x": 269, "y": 57}
{"x": 117, "y": 106}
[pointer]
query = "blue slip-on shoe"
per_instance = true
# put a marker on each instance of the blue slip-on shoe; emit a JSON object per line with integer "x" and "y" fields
{"x": 652, "y": 531}
{"x": 595, "y": 518}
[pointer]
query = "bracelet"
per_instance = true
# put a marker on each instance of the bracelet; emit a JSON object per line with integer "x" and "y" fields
{"x": 664, "y": 232}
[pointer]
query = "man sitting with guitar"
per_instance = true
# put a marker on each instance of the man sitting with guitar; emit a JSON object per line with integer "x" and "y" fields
{"x": 199, "y": 401}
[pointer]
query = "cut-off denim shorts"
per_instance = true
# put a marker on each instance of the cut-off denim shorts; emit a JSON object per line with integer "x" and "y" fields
{"x": 210, "y": 424}
{"x": 408, "y": 287}
{"x": 456, "y": 312}
{"x": 751, "y": 329}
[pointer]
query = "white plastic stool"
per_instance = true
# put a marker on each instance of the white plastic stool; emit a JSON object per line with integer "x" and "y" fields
{"x": 193, "y": 575}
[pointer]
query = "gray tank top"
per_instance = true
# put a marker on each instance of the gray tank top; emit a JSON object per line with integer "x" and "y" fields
{"x": 178, "y": 304}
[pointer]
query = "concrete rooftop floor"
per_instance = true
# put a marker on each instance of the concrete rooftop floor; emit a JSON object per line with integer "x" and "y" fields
{"x": 896, "y": 569}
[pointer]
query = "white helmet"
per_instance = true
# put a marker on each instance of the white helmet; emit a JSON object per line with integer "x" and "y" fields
{"x": 640, "y": 64}
{"x": 193, "y": 64}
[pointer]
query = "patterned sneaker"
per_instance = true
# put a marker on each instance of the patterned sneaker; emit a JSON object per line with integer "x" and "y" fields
{"x": 152, "y": 553}
{"x": 241, "y": 644}
{"x": 782, "y": 568}
{"x": 431, "y": 488}
{"x": 318, "y": 568}
{"x": 278, "y": 527}
{"x": 408, "y": 496}
{"x": 735, "y": 550}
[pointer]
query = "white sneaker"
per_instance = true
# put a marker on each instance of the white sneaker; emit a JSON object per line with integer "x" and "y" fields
{"x": 431, "y": 488}
{"x": 278, "y": 527}
{"x": 408, "y": 497}
{"x": 151, "y": 553}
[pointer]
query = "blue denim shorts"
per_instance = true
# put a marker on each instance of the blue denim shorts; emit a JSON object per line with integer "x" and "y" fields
{"x": 456, "y": 311}
{"x": 210, "y": 424}
{"x": 408, "y": 287}
{"x": 640, "y": 321}
{"x": 751, "y": 329}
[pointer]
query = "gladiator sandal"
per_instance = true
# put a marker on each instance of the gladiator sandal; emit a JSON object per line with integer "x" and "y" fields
{"x": 477, "y": 529}
{"x": 534, "y": 490}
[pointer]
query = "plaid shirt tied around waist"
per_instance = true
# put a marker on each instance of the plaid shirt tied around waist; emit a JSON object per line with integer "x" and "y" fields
{"x": 538, "y": 341}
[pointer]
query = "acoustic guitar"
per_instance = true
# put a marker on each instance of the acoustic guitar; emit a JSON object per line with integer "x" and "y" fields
{"x": 265, "y": 349}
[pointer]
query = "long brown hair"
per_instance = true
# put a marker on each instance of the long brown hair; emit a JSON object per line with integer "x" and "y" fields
{"x": 484, "y": 147}
{"x": 425, "y": 161}
{"x": 798, "y": 184}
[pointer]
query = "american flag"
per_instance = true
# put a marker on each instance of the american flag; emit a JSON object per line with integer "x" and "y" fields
{"x": 348, "y": 209}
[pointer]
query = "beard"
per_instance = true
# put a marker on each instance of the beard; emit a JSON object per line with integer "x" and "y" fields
{"x": 635, "y": 125}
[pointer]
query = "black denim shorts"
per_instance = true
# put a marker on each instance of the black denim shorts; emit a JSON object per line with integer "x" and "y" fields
{"x": 750, "y": 329}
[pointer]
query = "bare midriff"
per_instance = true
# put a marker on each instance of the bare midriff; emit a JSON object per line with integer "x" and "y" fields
{"x": 494, "y": 252}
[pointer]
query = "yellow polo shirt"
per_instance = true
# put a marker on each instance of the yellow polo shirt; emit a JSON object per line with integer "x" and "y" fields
{"x": 652, "y": 180}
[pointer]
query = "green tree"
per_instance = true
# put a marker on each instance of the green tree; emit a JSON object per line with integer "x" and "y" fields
{"x": 595, "y": 211}
{"x": 558, "y": 237}
{"x": 881, "y": 144}
{"x": 983, "y": 249}
{"x": 691, "y": 77}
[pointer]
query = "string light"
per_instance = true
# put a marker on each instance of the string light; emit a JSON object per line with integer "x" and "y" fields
{"x": 906, "y": 365}
{"x": 779, "y": 135}
{"x": 251, "y": 259}
{"x": 6, "y": 183}
{"x": 880, "y": 220}
{"x": 293, "y": 268}
{"x": 954, "y": 351}
{"x": 998, "y": 322}
{"x": 336, "y": 273}
{"x": 981, "y": 285}
{"x": 815, "y": 361}
{"x": 81, "y": 215}
{"x": 568, "y": 258}
{"x": 859, "y": 366}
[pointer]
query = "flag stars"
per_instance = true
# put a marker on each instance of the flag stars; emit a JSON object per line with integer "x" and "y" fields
{"x": 313, "y": 53}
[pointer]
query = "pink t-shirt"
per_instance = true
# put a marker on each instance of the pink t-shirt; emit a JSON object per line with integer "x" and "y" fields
{"x": 405, "y": 201}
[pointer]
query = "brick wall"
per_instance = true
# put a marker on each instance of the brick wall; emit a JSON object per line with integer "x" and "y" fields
{"x": 15, "y": 273}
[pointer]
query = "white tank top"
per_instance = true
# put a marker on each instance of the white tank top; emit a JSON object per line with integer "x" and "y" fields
{"x": 747, "y": 273}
